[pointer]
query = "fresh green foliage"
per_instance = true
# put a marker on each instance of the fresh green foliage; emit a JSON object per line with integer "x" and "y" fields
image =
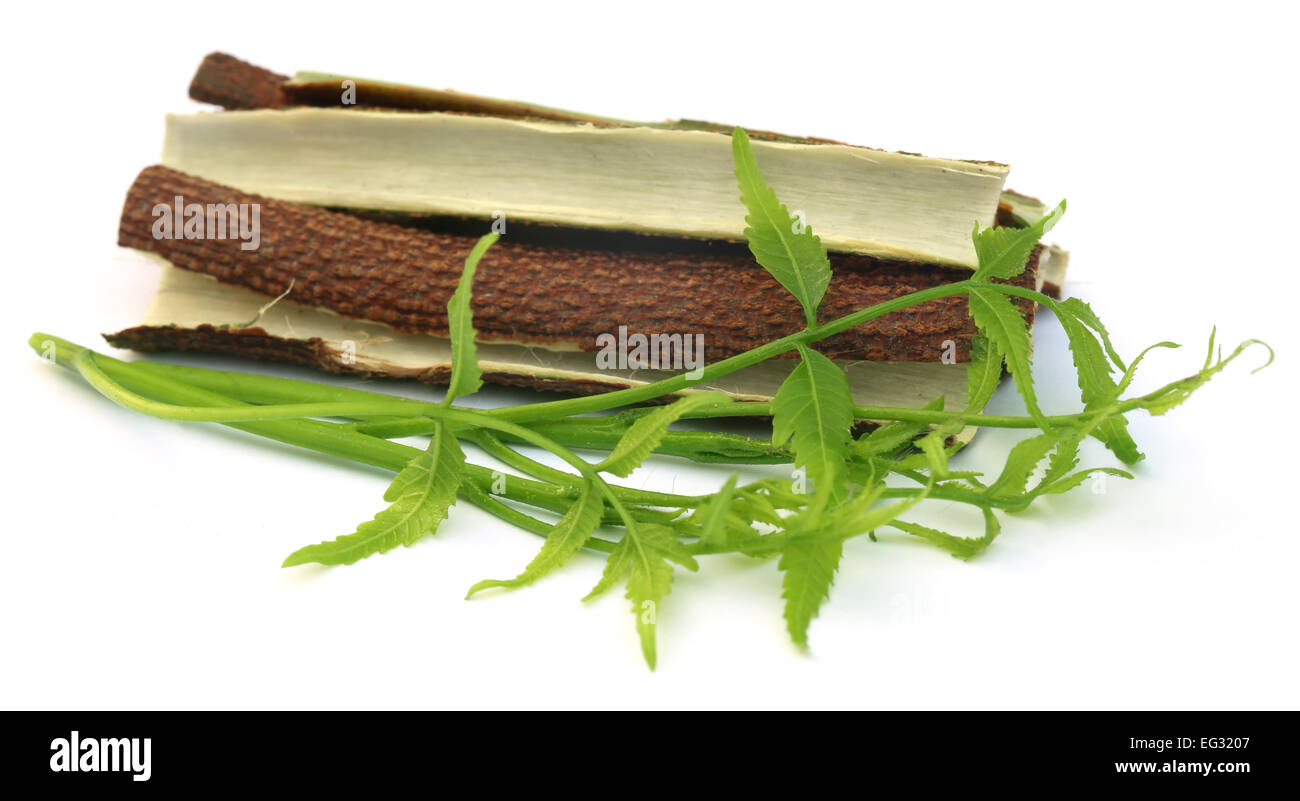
{"x": 853, "y": 487}
{"x": 419, "y": 496}
{"x": 783, "y": 244}
{"x": 999, "y": 320}
{"x": 1003, "y": 252}
{"x": 643, "y": 557}
{"x": 814, "y": 411}
{"x": 807, "y": 568}
{"x": 712, "y": 516}
{"x": 983, "y": 373}
{"x": 645, "y": 435}
{"x": 563, "y": 541}
{"x": 960, "y": 547}
{"x": 1081, "y": 311}
{"x": 890, "y": 438}
{"x": 466, "y": 378}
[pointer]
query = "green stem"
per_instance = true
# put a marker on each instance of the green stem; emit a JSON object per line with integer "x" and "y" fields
{"x": 85, "y": 363}
{"x": 323, "y": 437}
{"x": 276, "y": 390}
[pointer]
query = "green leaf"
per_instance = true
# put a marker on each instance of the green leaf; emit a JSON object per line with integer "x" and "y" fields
{"x": 934, "y": 448}
{"x": 983, "y": 374}
{"x": 1082, "y": 312}
{"x": 1022, "y": 460}
{"x": 466, "y": 378}
{"x": 812, "y": 553}
{"x": 813, "y": 410}
{"x": 783, "y": 245}
{"x": 999, "y": 320}
{"x": 643, "y": 556}
{"x": 419, "y": 496}
{"x": 1075, "y": 479}
{"x": 644, "y": 436}
{"x": 960, "y": 547}
{"x": 1098, "y": 389}
{"x": 1132, "y": 368}
{"x": 564, "y": 540}
{"x": 889, "y": 439}
{"x": 1064, "y": 459}
{"x": 1003, "y": 252}
{"x": 808, "y": 570}
{"x": 713, "y": 515}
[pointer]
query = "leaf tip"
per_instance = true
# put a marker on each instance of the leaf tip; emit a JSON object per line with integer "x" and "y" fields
{"x": 485, "y": 584}
{"x": 301, "y": 556}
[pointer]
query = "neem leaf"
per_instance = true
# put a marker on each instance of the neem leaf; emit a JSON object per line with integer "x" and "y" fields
{"x": 960, "y": 547}
{"x": 1003, "y": 252}
{"x": 1082, "y": 312}
{"x": 644, "y": 436}
{"x": 782, "y": 244}
{"x": 565, "y": 539}
{"x": 889, "y": 439}
{"x": 420, "y": 496}
{"x": 713, "y": 516}
{"x": 466, "y": 378}
{"x": 813, "y": 410}
{"x": 999, "y": 320}
{"x": 808, "y": 570}
{"x": 983, "y": 374}
{"x": 643, "y": 556}
{"x": 1024, "y": 457}
{"x": 1097, "y": 389}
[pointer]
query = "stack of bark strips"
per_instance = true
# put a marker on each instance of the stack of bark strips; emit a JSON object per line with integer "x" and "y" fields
{"x": 364, "y": 291}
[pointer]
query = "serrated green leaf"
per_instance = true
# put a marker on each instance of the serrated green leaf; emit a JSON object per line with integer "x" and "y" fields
{"x": 1064, "y": 458}
{"x": 420, "y": 496}
{"x": 960, "y": 547}
{"x": 1022, "y": 460}
{"x": 999, "y": 320}
{"x": 784, "y": 246}
{"x": 1075, "y": 479}
{"x": 466, "y": 377}
{"x": 1131, "y": 372}
{"x": 1082, "y": 312}
{"x": 648, "y": 431}
{"x": 1113, "y": 433}
{"x": 934, "y": 448}
{"x": 713, "y": 517}
{"x": 815, "y": 545}
{"x": 808, "y": 570}
{"x": 643, "y": 557}
{"x": 983, "y": 373}
{"x": 1093, "y": 369}
{"x": 565, "y": 539}
{"x": 887, "y": 440}
{"x": 1097, "y": 388}
{"x": 813, "y": 410}
{"x": 1003, "y": 252}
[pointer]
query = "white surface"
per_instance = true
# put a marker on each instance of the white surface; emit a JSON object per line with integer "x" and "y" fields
{"x": 140, "y": 561}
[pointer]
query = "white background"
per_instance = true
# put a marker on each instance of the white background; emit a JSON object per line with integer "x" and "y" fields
{"x": 139, "y": 565}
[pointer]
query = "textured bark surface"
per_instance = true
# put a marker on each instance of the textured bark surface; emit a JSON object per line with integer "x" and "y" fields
{"x": 226, "y": 81}
{"x": 234, "y": 84}
{"x": 546, "y": 294}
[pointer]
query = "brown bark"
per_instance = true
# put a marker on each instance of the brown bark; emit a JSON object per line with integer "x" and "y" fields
{"x": 546, "y": 294}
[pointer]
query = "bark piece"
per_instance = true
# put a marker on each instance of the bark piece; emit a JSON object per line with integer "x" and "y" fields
{"x": 540, "y": 294}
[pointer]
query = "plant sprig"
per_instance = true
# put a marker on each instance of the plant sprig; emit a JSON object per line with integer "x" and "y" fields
{"x": 841, "y": 487}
